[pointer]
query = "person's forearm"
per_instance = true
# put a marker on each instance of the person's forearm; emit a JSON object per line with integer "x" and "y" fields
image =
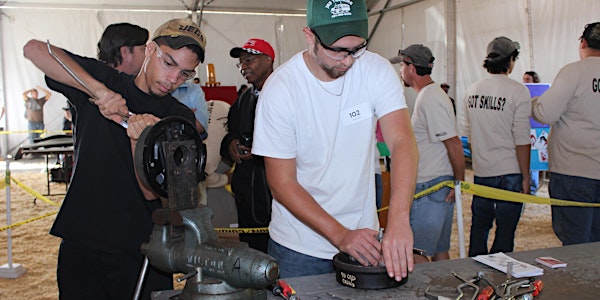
{"x": 26, "y": 93}
{"x": 398, "y": 134}
{"x": 405, "y": 160}
{"x": 47, "y": 93}
{"x": 523, "y": 156}
{"x": 456, "y": 156}
{"x": 287, "y": 191}
{"x": 37, "y": 52}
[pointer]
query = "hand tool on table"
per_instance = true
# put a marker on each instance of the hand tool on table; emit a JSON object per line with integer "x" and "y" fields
{"x": 284, "y": 290}
{"x": 466, "y": 283}
{"x": 510, "y": 288}
{"x": 487, "y": 293}
{"x": 125, "y": 118}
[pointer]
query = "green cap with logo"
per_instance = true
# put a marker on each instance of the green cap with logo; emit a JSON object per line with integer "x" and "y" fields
{"x": 334, "y": 19}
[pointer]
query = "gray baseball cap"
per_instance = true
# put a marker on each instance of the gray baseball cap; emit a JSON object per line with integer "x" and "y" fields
{"x": 416, "y": 54}
{"x": 500, "y": 48}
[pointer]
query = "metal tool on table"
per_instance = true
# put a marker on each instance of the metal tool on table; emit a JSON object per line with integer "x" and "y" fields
{"x": 170, "y": 159}
{"x": 125, "y": 118}
{"x": 467, "y": 283}
{"x": 510, "y": 288}
{"x": 472, "y": 283}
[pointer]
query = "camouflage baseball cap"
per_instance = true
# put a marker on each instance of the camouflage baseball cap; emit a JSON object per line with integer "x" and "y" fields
{"x": 180, "y": 33}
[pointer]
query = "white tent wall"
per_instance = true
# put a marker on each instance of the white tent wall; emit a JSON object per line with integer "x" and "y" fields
{"x": 546, "y": 29}
{"x": 419, "y": 23}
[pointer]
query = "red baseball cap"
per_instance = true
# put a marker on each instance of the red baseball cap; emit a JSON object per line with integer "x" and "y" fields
{"x": 254, "y": 46}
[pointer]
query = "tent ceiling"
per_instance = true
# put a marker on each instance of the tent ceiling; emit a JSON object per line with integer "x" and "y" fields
{"x": 268, "y": 6}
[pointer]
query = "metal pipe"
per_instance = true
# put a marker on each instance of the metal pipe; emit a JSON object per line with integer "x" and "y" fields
{"x": 459, "y": 218}
{"x": 401, "y": 5}
{"x": 140, "y": 283}
{"x": 123, "y": 122}
{"x": 75, "y": 76}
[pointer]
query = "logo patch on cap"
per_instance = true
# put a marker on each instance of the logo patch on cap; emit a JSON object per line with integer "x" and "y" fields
{"x": 339, "y": 9}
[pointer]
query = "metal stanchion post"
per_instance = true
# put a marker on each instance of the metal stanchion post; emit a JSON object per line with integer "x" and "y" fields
{"x": 9, "y": 270}
{"x": 459, "y": 219}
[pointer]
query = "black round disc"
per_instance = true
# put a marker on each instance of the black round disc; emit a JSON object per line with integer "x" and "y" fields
{"x": 149, "y": 156}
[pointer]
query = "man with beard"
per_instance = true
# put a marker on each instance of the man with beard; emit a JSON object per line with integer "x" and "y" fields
{"x": 106, "y": 214}
{"x": 249, "y": 182}
{"x": 315, "y": 126}
{"x": 440, "y": 154}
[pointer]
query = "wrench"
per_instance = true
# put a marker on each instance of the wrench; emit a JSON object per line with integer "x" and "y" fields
{"x": 123, "y": 123}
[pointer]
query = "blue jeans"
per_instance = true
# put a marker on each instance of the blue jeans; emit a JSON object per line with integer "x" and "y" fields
{"x": 534, "y": 182}
{"x": 506, "y": 214}
{"x": 295, "y": 264}
{"x": 571, "y": 224}
{"x": 35, "y": 126}
{"x": 431, "y": 218}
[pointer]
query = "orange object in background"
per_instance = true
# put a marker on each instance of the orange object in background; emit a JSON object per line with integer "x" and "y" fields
{"x": 212, "y": 77}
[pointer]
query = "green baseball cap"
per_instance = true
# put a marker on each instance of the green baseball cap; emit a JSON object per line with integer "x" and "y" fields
{"x": 334, "y": 19}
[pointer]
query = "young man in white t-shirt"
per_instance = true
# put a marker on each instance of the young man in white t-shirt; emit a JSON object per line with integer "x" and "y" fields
{"x": 315, "y": 127}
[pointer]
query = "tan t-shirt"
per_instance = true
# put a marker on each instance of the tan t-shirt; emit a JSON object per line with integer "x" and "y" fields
{"x": 572, "y": 108}
{"x": 433, "y": 122}
{"x": 496, "y": 120}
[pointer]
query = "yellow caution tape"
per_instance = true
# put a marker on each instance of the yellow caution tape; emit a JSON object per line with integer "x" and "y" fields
{"x": 242, "y": 230}
{"x": 475, "y": 189}
{"x": 499, "y": 194}
{"x": 434, "y": 189}
{"x": 22, "y": 131}
{"x": 27, "y": 221}
{"x": 34, "y": 193}
{"x": 35, "y": 131}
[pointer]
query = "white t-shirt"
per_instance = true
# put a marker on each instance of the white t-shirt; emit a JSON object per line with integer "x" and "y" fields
{"x": 496, "y": 120}
{"x": 329, "y": 128}
{"x": 433, "y": 122}
{"x": 572, "y": 107}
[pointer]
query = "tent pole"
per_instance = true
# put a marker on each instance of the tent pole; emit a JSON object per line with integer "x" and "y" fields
{"x": 451, "y": 45}
{"x": 530, "y": 26}
{"x": 4, "y": 141}
{"x": 9, "y": 270}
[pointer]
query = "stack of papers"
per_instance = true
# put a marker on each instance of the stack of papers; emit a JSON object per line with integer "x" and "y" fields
{"x": 499, "y": 261}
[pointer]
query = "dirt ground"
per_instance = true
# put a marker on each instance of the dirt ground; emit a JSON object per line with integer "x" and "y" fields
{"x": 36, "y": 250}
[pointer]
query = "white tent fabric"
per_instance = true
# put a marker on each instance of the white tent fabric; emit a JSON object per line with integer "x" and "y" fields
{"x": 547, "y": 31}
